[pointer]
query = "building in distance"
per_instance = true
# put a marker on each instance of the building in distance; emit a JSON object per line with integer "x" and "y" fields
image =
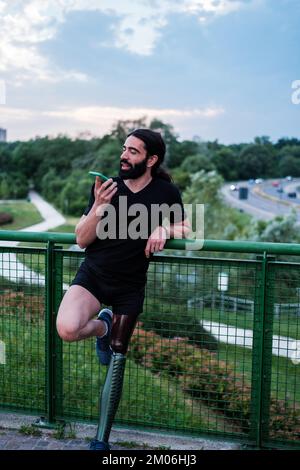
{"x": 3, "y": 135}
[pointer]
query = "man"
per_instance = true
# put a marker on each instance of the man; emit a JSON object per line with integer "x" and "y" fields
{"x": 115, "y": 265}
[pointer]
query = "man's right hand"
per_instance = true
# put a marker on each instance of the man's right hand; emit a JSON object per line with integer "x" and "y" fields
{"x": 103, "y": 193}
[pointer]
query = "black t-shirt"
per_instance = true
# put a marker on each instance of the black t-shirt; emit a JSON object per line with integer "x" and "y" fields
{"x": 120, "y": 256}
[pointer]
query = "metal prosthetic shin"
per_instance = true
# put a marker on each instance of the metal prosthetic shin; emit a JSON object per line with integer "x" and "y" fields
{"x": 110, "y": 396}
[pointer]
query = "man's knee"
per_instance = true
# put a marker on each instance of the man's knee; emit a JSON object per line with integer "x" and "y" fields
{"x": 66, "y": 331}
{"x": 118, "y": 346}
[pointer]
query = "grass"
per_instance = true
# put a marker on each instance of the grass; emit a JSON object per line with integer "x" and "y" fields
{"x": 32, "y": 260}
{"x": 147, "y": 399}
{"x": 285, "y": 378}
{"x": 27, "y": 430}
{"x": 137, "y": 445}
{"x": 24, "y": 213}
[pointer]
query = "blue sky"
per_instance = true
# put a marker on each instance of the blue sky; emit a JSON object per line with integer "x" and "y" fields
{"x": 217, "y": 69}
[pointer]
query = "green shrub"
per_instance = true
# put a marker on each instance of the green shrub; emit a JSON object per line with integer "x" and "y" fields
{"x": 5, "y": 218}
{"x": 167, "y": 324}
{"x": 202, "y": 375}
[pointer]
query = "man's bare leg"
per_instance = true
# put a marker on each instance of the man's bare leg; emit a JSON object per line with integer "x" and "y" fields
{"x": 74, "y": 318}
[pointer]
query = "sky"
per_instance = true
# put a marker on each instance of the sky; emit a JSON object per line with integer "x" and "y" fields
{"x": 213, "y": 69}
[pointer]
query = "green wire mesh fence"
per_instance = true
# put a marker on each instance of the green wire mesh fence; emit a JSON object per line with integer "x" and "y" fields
{"x": 216, "y": 351}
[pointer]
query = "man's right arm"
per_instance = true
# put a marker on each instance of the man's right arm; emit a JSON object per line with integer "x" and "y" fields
{"x": 86, "y": 228}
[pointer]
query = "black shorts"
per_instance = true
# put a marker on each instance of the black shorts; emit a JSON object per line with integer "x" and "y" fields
{"x": 124, "y": 299}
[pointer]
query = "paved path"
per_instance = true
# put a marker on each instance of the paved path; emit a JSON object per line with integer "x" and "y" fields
{"x": 282, "y": 346}
{"x": 13, "y": 269}
{"x": 13, "y": 440}
{"x": 120, "y": 439}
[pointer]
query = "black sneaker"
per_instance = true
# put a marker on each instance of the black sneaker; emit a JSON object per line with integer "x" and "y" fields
{"x": 103, "y": 348}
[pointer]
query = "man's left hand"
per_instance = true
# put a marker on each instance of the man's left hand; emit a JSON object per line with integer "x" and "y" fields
{"x": 156, "y": 241}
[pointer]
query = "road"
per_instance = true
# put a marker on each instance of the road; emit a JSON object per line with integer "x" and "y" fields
{"x": 264, "y": 201}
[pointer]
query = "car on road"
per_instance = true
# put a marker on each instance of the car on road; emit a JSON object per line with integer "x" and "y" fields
{"x": 233, "y": 187}
{"x": 289, "y": 178}
{"x": 275, "y": 184}
{"x": 258, "y": 180}
{"x": 292, "y": 194}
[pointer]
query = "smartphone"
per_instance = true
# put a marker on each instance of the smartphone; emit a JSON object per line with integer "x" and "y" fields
{"x": 96, "y": 173}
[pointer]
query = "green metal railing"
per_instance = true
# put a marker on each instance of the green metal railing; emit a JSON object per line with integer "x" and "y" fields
{"x": 216, "y": 351}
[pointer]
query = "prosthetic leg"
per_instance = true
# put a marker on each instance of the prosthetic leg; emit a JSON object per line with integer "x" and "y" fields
{"x": 122, "y": 329}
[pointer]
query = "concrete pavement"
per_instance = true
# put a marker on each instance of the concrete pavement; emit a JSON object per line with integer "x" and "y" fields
{"x": 14, "y": 428}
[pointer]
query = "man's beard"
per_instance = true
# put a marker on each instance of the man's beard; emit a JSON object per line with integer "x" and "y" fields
{"x": 134, "y": 172}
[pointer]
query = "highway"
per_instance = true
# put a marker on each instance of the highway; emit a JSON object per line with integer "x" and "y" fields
{"x": 264, "y": 200}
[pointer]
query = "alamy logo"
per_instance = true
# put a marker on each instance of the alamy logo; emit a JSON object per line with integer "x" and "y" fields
{"x": 2, "y": 352}
{"x": 2, "y": 92}
{"x": 138, "y": 222}
{"x": 296, "y": 94}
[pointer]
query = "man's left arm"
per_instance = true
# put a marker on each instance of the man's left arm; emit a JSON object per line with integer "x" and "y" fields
{"x": 179, "y": 229}
{"x": 161, "y": 234}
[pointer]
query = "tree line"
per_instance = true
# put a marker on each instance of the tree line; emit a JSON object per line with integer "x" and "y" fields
{"x": 58, "y": 168}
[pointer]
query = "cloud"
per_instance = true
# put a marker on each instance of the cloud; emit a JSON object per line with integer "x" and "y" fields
{"x": 211, "y": 7}
{"x": 90, "y": 115}
{"x": 97, "y": 120}
{"x": 25, "y": 24}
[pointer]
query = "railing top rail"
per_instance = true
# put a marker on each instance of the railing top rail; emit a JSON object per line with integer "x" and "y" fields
{"x": 176, "y": 244}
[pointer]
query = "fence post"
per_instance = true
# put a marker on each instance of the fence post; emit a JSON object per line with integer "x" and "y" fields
{"x": 257, "y": 353}
{"x": 261, "y": 355}
{"x": 267, "y": 351}
{"x": 57, "y": 342}
{"x": 48, "y": 421}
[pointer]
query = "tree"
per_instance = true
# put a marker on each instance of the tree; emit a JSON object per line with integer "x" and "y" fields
{"x": 205, "y": 189}
{"x": 75, "y": 193}
{"x": 4, "y": 189}
{"x": 179, "y": 151}
{"x": 196, "y": 163}
{"x": 51, "y": 186}
{"x": 226, "y": 163}
{"x": 123, "y": 127}
{"x": 13, "y": 185}
{"x": 278, "y": 230}
{"x": 27, "y": 157}
{"x": 262, "y": 140}
{"x": 257, "y": 161}
{"x": 283, "y": 142}
{"x": 289, "y": 165}
{"x": 107, "y": 158}
{"x": 181, "y": 178}
{"x": 172, "y": 157}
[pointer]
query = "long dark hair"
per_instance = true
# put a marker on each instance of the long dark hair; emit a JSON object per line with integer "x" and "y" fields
{"x": 155, "y": 145}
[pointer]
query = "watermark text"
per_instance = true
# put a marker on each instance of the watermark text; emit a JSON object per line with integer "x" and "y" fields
{"x": 138, "y": 221}
{"x": 2, "y": 92}
{"x": 296, "y": 94}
